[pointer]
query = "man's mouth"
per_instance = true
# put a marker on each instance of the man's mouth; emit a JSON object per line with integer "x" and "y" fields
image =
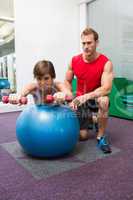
{"x": 86, "y": 50}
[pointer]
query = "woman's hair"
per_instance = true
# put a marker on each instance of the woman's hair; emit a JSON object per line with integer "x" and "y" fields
{"x": 44, "y": 67}
{"x": 88, "y": 31}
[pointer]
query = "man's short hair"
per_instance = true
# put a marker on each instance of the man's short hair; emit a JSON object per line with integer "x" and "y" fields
{"x": 88, "y": 31}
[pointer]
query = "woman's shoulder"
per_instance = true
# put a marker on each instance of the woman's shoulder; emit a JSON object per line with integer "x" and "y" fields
{"x": 58, "y": 84}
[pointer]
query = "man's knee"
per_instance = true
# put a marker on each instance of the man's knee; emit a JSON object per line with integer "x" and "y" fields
{"x": 103, "y": 103}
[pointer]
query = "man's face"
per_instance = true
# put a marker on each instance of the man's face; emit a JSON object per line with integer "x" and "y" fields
{"x": 89, "y": 45}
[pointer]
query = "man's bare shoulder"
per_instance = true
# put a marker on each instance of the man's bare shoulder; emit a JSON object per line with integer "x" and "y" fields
{"x": 108, "y": 66}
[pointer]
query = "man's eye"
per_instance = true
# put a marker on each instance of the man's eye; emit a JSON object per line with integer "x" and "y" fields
{"x": 86, "y": 43}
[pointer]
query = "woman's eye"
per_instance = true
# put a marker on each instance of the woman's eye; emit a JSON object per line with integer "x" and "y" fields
{"x": 46, "y": 78}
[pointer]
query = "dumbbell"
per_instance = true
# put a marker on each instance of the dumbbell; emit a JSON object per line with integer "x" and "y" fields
{"x": 22, "y": 100}
{"x": 50, "y": 99}
{"x": 5, "y": 99}
{"x": 68, "y": 99}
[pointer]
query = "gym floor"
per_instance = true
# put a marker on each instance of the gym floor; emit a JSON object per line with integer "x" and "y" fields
{"x": 85, "y": 174}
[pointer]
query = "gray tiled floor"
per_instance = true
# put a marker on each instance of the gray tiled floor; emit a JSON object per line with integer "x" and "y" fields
{"x": 85, "y": 152}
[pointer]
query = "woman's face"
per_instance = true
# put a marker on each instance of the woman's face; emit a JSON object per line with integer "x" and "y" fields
{"x": 45, "y": 81}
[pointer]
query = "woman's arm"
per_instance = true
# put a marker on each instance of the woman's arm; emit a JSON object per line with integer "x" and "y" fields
{"x": 61, "y": 87}
{"x": 28, "y": 89}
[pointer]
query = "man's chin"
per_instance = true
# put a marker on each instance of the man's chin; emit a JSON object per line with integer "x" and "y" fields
{"x": 87, "y": 55}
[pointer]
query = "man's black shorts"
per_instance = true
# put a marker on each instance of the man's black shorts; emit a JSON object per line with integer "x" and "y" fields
{"x": 84, "y": 113}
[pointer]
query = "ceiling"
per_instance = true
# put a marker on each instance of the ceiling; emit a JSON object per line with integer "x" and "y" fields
{"x": 6, "y": 21}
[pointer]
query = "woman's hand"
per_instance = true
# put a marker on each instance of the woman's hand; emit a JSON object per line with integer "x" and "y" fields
{"x": 59, "y": 97}
{"x": 17, "y": 99}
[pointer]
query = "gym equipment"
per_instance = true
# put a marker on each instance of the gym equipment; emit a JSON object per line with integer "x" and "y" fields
{"x": 128, "y": 101}
{"x": 49, "y": 98}
{"x": 121, "y": 98}
{"x": 5, "y": 99}
{"x": 22, "y": 100}
{"x": 48, "y": 130}
{"x": 4, "y": 83}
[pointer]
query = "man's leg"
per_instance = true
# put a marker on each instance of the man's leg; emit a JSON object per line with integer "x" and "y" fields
{"x": 84, "y": 115}
{"x": 103, "y": 103}
{"x": 84, "y": 135}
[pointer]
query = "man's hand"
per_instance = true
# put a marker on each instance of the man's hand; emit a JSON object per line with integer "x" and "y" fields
{"x": 73, "y": 106}
{"x": 78, "y": 101}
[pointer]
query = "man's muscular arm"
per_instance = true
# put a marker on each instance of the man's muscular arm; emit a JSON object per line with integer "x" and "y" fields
{"x": 68, "y": 78}
{"x": 104, "y": 89}
{"x": 106, "y": 82}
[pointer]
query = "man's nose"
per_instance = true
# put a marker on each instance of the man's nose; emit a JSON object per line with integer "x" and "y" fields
{"x": 86, "y": 45}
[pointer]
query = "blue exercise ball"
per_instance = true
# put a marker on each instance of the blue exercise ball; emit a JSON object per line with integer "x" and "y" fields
{"x": 4, "y": 83}
{"x": 47, "y": 130}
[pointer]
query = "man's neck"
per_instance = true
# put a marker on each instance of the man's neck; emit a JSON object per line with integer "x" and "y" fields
{"x": 91, "y": 58}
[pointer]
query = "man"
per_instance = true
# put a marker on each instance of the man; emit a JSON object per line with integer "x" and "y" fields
{"x": 94, "y": 73}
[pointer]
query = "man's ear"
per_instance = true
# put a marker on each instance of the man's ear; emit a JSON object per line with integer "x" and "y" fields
{"x": 97, "y": 43}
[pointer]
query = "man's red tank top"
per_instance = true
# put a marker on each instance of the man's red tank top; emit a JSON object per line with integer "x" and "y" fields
{"x": 88, "y": 74}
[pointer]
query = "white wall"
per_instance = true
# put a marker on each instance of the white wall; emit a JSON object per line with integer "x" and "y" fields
{"x": 45, "y": 30}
